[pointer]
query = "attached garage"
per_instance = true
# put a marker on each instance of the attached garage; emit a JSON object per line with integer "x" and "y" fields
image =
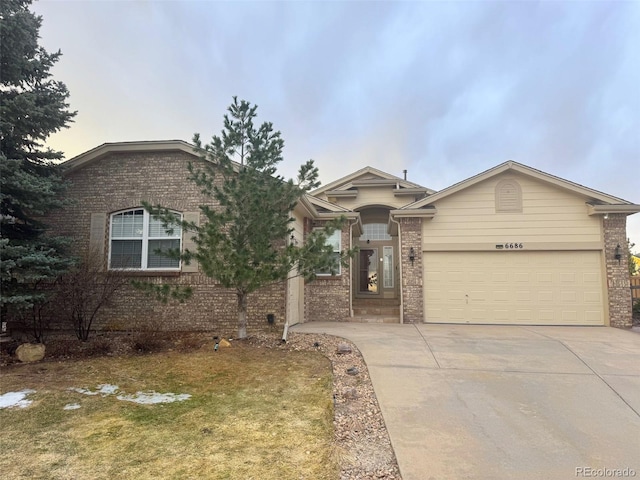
{"x": 514, "y": 287}
{"x": 565, "y": 266}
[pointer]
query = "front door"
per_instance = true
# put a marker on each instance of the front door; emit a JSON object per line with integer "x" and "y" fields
{"x": 368, "y": 271}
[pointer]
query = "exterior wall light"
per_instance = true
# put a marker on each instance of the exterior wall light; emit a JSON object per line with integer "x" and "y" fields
{"x": 412, "y": 255}
{"x": 617, "y": 255}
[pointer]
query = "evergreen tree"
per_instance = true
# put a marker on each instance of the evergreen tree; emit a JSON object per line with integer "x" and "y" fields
{"x": 32, "y": 107}
{"x": 244, "y": 241}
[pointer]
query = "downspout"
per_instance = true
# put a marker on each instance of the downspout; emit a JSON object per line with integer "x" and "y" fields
{"x": 351, "y": 269}
{"x": 400, "y": 266}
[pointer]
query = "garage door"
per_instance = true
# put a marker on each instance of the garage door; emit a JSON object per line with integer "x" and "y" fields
{"x": 514, "y": 287}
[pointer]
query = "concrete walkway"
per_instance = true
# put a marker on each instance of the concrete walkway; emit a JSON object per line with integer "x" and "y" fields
{"x": 504, "y": 402}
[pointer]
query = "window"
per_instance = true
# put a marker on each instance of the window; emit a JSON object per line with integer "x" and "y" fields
{"x": 374, "y": 231}
{"x": 135, "y": 239}
{"x": 334, "y": 240}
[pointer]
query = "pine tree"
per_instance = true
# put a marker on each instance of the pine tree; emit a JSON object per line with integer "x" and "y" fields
{"x": 32, "y": 107}
{"x": 243, "y": 242}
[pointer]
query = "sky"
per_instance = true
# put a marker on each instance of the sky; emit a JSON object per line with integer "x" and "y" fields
{"x": 443, "y": 89}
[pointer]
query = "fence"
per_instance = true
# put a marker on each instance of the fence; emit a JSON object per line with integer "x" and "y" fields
{"x": 635, "y": 287}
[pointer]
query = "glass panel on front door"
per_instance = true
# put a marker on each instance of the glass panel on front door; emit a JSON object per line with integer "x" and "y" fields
{"x": 387, "y": 255}
{"x": 368, "y": 270}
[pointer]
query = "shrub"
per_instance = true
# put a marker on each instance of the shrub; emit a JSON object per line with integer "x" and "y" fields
{"x": 85, "y": 290}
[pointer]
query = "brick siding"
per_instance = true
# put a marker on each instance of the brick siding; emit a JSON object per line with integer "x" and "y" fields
{"x": 327, "y": 298}
{"x": 618, "y": 286}
{"x": 412, "y": 294}
{"x": 121, "y": 181}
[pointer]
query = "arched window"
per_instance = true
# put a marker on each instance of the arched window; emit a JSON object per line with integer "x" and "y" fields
{"x": 374, "y": 231}
{"x": 508, "y": 196}
{"x": 136, "y": 241}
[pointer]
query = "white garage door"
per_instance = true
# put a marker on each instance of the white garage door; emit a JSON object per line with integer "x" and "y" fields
{"x": 513, "y": 287}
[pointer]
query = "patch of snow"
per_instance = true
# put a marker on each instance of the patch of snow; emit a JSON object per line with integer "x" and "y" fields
{"x": 149, "y": 398}
{"x": 16, "y": 399}
{"x": 103, "y": 389}
{"x": 71, "y": 406}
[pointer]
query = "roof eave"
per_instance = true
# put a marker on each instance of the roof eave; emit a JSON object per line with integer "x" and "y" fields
{"x": 626, "y": 208}
{"x": 414, "y": 213}
{"x": 142, "y": 146}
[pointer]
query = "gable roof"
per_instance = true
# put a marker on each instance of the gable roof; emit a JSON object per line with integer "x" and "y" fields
{"x": 599, "y": 200}
{"x": 367, "y": 175}
{"x": 146, "y": 146}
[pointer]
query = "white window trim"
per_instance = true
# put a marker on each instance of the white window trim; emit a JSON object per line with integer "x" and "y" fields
{"x": 145, "y": 242}
{"x": 339, "y": 271}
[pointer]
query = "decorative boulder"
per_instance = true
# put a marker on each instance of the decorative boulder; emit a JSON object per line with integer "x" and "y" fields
{"x": 343, "y": 348}
{"x": 30, "y": 352}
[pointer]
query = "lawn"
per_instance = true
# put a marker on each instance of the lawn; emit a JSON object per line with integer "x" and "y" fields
{"x": 253, "y": 414}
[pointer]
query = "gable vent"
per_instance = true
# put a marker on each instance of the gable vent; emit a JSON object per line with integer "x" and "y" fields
{"x": 508, "y": 196}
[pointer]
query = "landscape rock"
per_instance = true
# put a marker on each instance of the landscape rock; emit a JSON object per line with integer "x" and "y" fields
{"x": 350, "y": 393}
{"x": 343, "y": 348}
{"x": 30, "y": 352}
{"x": 361, "y": 439}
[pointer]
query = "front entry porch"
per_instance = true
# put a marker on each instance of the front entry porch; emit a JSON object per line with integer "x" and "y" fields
{"x": 375, "y": 296}
{"x": 376, "y": 310}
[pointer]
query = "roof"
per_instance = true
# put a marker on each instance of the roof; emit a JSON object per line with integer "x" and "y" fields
{"x": 600, "y": 201}
{"x": 146, "y": 146}
{"x": 359, "y": 178}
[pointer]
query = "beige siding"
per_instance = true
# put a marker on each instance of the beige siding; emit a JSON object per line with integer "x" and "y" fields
{"x": 368, "y": 196}
{"x": 295, "y": 284}
{"x": 551, "y": 218}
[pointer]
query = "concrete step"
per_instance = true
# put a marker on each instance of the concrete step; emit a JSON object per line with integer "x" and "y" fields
{"x": 375, "y": 319}
{"x": 375, "y": 310}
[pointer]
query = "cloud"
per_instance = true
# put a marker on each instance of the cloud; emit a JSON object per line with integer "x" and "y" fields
{"x": 444, "y": 89}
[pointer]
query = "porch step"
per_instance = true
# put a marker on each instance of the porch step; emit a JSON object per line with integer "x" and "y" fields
{"x": 391, "y": 311}
{"x": 375, "y": 319}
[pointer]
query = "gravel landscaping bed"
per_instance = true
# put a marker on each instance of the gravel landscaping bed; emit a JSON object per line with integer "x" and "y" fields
{"x": 363, "y": 447}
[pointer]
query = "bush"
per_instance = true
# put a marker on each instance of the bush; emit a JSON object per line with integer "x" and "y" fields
{"x": 85, "y": 290}
{"x": 148, "y": 342}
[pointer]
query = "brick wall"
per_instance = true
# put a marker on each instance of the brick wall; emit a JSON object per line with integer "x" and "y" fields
{"x": 619, "y": 290}
{"x": 123, "y": 180}
{"x": 327, "y": 298}
{"x": 412, "y": 295}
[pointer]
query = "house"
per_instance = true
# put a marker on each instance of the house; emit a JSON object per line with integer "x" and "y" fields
{"x": 511, "y": 245}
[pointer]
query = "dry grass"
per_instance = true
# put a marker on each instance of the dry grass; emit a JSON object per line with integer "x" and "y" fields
{"x": 254, "y": 414}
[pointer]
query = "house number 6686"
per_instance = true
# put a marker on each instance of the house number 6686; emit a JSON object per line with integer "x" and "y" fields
{"x": 513, "y": 245}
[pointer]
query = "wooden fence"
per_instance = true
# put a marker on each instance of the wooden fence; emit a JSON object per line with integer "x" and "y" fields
{"x": 635, "y": 286}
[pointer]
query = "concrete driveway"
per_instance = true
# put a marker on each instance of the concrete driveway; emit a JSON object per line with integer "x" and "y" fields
{"x": 504, "y": 402}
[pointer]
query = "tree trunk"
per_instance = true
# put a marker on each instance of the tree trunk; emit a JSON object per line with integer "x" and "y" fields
{"x": 242, "y": 314}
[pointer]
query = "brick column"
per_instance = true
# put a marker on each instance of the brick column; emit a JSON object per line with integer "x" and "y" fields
{"x": 411, "y": 283}
{"x": 618, "y": 285}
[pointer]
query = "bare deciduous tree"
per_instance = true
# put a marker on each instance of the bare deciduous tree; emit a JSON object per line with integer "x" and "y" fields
{"x": 85, "y": 290}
